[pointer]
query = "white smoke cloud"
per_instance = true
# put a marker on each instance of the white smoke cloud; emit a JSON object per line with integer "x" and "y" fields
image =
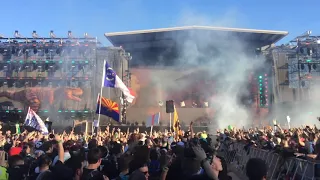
{"x": 223, "y": 55}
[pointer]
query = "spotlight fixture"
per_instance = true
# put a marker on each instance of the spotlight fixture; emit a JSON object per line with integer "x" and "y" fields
{"x": 17, "y": 34}
{"x": 34, "y": 34}
{"x": 52, "y": 35}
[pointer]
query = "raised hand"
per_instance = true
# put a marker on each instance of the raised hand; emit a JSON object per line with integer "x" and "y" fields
{"x": 58, "y": 138}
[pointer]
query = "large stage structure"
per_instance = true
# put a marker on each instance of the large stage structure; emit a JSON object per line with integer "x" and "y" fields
{"x": 60, "y": 77}
{"x": 55, "y": 76}
{"x": 297, "y": 74}
{"x": 154, "y": 51}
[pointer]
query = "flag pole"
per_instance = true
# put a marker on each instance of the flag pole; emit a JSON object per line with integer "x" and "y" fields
{"x": 151, "y": 131}
{"x": 100, "y": 95}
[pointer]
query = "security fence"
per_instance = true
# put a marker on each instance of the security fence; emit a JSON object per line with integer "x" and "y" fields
{"x": 279, "y": 166}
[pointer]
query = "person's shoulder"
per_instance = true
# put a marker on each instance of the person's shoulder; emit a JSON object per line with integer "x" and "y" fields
{"x": 55, "y": 159}
{"x": 92, "y": 173}
{"x": 58, "y": 163}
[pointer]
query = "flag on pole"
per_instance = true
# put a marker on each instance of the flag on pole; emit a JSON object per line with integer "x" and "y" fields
{"x": 176, "y": 121}
{"x": 108, "y": 108}
{"x": 153, "y": 120}
{"x": 111, "y": 79}
{"x": 34, "y": 121}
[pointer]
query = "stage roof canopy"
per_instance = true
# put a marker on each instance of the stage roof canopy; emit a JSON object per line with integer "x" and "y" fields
{"x": 142, "y": 40}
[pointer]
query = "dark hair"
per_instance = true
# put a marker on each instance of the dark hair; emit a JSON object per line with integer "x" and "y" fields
{"x": 256, "y": 169}
{"x": 28, "y": 144}
{"x": 13, "y": 160}
{"x": 104, "y": 151}
{"x": 44, "y": 160}
{"x": 93, "y": 143}
{"x": 124, "y": 162}
{"x": 46, "y": 146}
{"x": 67, "y": 145}
{"x": 116, "y": 149}
{"x": 75, "y": 163}
{"x": 94, "y": 155}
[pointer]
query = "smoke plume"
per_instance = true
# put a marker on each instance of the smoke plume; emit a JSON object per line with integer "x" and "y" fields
{"x": 220, "y": 56}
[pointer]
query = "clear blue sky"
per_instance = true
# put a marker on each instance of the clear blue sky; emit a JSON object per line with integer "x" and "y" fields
{"x": 99, "y": 16}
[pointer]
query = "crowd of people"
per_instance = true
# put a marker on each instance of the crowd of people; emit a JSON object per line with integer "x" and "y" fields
{"x": 118, "y": 155}
{"x": 301, "y": 143}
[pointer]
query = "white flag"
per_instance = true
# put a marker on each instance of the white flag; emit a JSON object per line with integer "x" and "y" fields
{"x": 34, "y": 121}
{"x": 111, "y": 79}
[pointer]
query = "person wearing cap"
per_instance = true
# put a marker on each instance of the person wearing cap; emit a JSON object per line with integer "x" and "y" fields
{"x": 15, "y": 151}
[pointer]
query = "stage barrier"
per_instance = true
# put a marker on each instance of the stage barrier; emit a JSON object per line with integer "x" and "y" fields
{"x": 237, "y": 155}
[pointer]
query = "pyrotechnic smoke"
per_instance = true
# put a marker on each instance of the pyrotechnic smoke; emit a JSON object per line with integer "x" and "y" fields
{"x": 301, "y": 113}
{"x": 231, "y": 65}
{"x": 223, "y": 57}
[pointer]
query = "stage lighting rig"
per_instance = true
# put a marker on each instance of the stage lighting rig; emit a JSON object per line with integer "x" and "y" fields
{"x": 34, "y": 34}
{"x": 70, "y": 36}
{"x": 303, "y": 64}
{"x": 17, "y": 34}
{"x": 52, "y": 35}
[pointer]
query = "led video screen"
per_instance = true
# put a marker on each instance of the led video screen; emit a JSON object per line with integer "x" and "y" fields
{"x": 47, "y": 86}
{"x": 46, "y": 98}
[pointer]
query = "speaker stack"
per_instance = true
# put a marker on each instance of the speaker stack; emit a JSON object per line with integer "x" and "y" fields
{"x": 170, "y": 106}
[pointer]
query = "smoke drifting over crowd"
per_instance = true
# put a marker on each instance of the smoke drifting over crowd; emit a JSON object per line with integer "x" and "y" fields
{"x": 226, "y": 59}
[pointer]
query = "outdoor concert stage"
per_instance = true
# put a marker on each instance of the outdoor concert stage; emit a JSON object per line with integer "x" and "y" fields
{"x": 52, "y": 74}
{"x": 155, "y": 76}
